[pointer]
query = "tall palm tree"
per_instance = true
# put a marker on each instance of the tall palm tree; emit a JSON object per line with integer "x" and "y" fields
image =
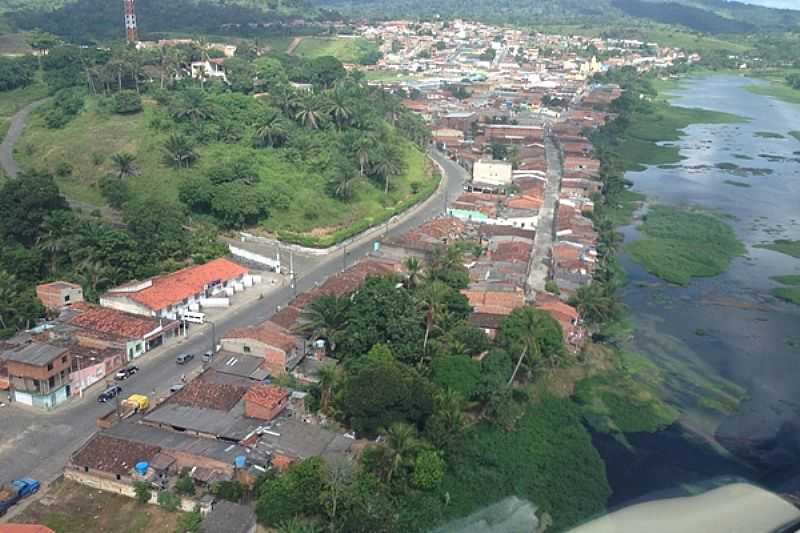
{"x": 271, "y": 129}
{"x": 328, "y": 377}
{"x": 9, "y": 292}
{"x": 447, "y": 420}
{"x": 343, "y": 185}
{"x": 364, "y": 146}
{"x": 401, "y": 444}
{"x": 339, "y": 108}
{"x": 413, "y": 271}
{"x": 309, "y": 112}
{"x": 123, "y": 163}
{"x": 389, "y": 164}
{"x": 285, "y": 98}
{"x": 325, "y": 318}
{"x": 432, "y": 300}
{"x": 180, "y": 151}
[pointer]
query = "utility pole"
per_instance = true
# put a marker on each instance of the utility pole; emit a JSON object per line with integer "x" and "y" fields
{"x": 344, "y": 257}
{"x": 80, "y": 382}
{"x": 292, "y": 277}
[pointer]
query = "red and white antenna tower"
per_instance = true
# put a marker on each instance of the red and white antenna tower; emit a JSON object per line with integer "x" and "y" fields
{"x": 130, "y": 21}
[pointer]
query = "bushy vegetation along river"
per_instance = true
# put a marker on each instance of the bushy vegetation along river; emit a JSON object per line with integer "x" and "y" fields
{"x": 731, "y": 350}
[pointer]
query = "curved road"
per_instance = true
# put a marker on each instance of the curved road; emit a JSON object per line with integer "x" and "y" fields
{"x": 38, "y": 444}
{"x": 14, "y": 132}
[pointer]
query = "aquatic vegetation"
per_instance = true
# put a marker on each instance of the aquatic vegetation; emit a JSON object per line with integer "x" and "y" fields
{"x": 680, "y": 244}
{"x": 737, "y": 183}
{"x": 788, "y": 279}
{"x": 742, "y": 156}
{"x": 768, "y": 135}
{"x": 784, "y": 246}
{"x": 788, "y": 294}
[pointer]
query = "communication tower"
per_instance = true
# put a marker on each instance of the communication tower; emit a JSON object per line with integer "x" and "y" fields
{"x": 131, "y": 32}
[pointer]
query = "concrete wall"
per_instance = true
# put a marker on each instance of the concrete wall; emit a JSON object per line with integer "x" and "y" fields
{"x": 123, "y": 303}
{"x": 245, "y": 347}
{"x": 124, "y": 487}
{"x": 492, "y": 172}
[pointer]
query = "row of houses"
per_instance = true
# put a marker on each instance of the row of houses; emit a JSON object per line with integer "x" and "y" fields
{"x": 86, "y": 343}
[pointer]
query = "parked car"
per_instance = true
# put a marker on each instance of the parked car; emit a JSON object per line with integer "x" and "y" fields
{"x": 109, "y": 394}
{"x": 184, "y": 358}
{"x": 176, "y": 387}
{"x": 15, "y": 491}
{"x": 125, "y": 373}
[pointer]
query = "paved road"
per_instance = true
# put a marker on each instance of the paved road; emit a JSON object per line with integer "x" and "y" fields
{"x": 39, "y": 444}
{"x": 545, "y": 230}
{"x": 14, "y": 133}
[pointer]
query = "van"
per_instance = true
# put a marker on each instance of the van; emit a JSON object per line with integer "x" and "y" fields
{"x": 194, "y": 317}
{"x": 184, "y": 358}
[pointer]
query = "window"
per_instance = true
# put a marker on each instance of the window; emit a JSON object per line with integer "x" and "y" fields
{"x": 66, "y": 298}
{"x": 50, "y": 366}
{"x": 64, "y": 359}
{"x": 246, "y": 349}
{"x": 52, "y": 381}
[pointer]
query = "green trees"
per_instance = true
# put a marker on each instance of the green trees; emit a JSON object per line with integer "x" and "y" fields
{"x": 383, "y": 393}
{"x": 26, "y": 202}
{"x": 19, "y": 307}
{"x": 310, "y": 111}
{"x": 16, "y": 72}
{"x": 534, "y": 336}
{"x": 143, "y": 491}
{"x": 271, "y": 129}
{"x": 381, "y": 312}
{"x": 295, "y": 493}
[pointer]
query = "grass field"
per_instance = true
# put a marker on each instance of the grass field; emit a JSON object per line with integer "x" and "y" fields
{"x": 312, "y": 217}
{"x": 13, "y": 101}
{"x": 784, "y": 246}
{"x": 68, "y": 507}
{"x": 346, "y": 50}
{"x": 679, "y": 244}
{"x": 87, "y": 144}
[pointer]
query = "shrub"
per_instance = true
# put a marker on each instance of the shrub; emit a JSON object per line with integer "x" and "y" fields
{"x": 184, "y": 485}
{"x": 189, "y": 522}
{"x": 551, "y": 287}
{"x": 126, "y": 103}
{"x": 168, "y": 501}
{"x": 63, "y": 169}
{"x": 115, "y": 191}
{"x": 143, "y": 492}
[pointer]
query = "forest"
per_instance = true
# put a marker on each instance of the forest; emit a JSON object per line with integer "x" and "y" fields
{"x": 461, "y": 419}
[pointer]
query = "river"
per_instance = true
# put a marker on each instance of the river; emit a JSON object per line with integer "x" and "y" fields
{"x": 721, "y": 339}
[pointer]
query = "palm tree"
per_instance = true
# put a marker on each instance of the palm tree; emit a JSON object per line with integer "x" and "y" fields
{"x": 123, "y": 163}
{"x": 95, "y": 275}
{"x": 342, "y": 185}
{"x": 9, "y": 294}
{"x": 401, "y": 444}
{"x": 389, "y": 164}
{"x": 179, "y": 150}
{"x": 364, "y": 147}
{"x": 285, "y": 98}
{"x": 271, "y": 129}
{"x": 325, "y": 318}
{"x": 298, "y": 525}
{"x": 414, "y": 271}
{"x": 433, "y": 302}
{"x": 447, "y": 420}
{"x": 328, "y": 377}
{"x": 339, "y": 108}
{"x": 310, "y": 112}
{"x": 193, "y": 106}
{"x": 595, "y": 303}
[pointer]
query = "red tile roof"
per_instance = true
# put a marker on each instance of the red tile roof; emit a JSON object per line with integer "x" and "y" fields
{"x": 267, "y": 332}
{"x": 173, "y": 288}
{"x": 494, "y": 302}
{"x": 113, "y": 455}
{"x": 107, "y": 320}
{"x": 24, "y": 528}
{"x": 268, "y": 396}
{"x": 209, "y": 395}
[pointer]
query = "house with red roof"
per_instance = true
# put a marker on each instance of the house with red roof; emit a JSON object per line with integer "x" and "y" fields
{"x": 171, "y": 295}
{"x": 280, "y": 349}
{"x": 265, "y": 402}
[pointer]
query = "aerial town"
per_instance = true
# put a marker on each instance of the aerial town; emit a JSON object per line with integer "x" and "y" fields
{"x": 220, "y": 393}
